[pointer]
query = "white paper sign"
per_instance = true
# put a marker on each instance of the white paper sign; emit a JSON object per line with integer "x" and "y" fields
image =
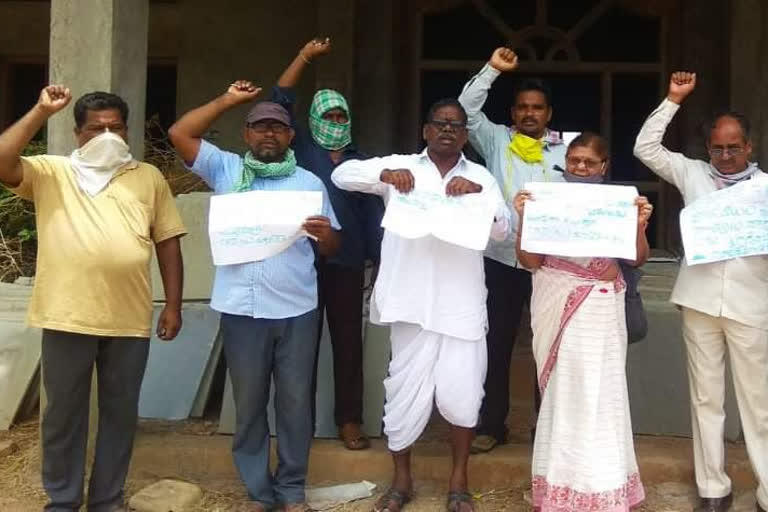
{"x": 253, "y": 226}
{"x": 729, "y": 223}
{"x": 461, "y": 220}
{"x": 581, "y": 220}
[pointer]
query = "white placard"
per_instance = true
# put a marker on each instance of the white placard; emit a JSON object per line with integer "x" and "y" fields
{"x": 581, "y": 220}
{"x": 460, "y": 220}
{"x": 253, "y": 226}
{"x": 729, "y": 223}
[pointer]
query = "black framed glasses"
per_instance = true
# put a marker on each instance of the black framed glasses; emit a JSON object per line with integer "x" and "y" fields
{"x": 261, "y": 128}
{"x": 442, "y": 124}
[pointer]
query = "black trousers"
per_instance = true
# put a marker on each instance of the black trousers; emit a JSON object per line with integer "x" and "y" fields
{"x": 340, "y": 291}
{"x": 68, "y": 360}
{"x": 509, "y": 289}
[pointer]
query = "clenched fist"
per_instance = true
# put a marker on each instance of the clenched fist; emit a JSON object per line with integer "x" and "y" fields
{"x": 681, "y": 84}
{"x": 54, "y": 98}
{"x": 503, "y": 59}
{"x": 242, "y": 91}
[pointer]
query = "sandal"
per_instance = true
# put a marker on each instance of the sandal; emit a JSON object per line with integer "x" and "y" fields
{"x": 458, "y": 498}
{"x": 353, "y": 438}
{"x": 483, "y": 444}
{"x": 392, "y": 501}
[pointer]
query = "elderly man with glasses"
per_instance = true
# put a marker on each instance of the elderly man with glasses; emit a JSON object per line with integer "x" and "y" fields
{"x": 724, "y": 304}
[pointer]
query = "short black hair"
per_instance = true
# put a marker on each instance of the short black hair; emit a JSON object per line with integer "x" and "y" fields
{"x": 99, "y": 100}
{"x": 446, "y": 102}
{"x": 533, "y": 84}
{"x": 746, "y": 127}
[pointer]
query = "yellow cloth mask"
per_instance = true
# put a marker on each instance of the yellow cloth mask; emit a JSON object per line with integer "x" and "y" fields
{"x": 530, "y": 150}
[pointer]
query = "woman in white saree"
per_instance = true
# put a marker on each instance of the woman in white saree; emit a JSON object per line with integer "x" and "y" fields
{"x": 583, "y": 456}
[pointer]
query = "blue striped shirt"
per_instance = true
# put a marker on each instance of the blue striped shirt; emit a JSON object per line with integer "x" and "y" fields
{"x": 282, "y": 286}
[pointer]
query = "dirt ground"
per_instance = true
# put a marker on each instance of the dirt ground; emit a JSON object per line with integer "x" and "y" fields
{"x": 20, "y": 489}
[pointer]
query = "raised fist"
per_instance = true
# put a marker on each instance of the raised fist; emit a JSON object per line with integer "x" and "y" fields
{"x": 54, "y": 98}
{"x": 315, "y": 48}
{"x": 681, "y": 84}
{"x": 243, "y": 91}
{"x": 503, "y": 59}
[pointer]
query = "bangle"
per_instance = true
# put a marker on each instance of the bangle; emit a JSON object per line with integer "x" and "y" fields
{"x": 301, "y": 54}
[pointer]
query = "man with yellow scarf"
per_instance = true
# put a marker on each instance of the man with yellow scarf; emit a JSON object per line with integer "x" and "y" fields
{"x": 526, "y": 151}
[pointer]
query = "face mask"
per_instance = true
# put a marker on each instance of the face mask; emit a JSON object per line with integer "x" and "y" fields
{"x": 97, "y": 161}
{"x": 575, "y": 178}
{"x": 103, "y": 152}
{"x": 328, "y": 134}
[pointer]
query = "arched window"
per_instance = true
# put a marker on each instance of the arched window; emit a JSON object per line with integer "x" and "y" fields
{"x": 604, "y": 59}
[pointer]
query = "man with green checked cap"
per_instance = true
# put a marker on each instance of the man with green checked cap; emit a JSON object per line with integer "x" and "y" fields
{"x": 326, "y": 144}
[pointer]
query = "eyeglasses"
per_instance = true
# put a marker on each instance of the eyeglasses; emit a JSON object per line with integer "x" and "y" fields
{"x": 441, "y": 124}
{"x": 718, "y": 152}
{"x": 261, "y": 128}
{"x": 589, "y": 163}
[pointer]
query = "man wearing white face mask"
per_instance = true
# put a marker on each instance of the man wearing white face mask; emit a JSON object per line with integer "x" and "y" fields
{"x": 99, "y": 212}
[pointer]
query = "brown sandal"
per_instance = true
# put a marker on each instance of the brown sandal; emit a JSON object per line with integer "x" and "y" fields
{"x": 392, "y": 501}
{"x": 353, "y": 438}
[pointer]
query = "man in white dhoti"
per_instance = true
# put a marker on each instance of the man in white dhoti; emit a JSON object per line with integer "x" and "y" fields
{"x": 432, "y": 294}
{"x": 724, "y": 304}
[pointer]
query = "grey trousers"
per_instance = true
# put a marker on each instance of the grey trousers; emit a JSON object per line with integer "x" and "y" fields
{"x": 259, "y": 350}
{"x": 67, "y": 366}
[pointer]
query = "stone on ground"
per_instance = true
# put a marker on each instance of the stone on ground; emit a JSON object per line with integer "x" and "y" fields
{"x": 166, "y": 496}
{"x": 7, "y": 448}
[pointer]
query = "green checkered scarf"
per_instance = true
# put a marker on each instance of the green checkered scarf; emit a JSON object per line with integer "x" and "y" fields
{"x": 253, "y": 168}
{"x": 331, "y": 136}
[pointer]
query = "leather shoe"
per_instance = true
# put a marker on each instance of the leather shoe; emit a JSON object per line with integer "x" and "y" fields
{"x": 715, "y": 504}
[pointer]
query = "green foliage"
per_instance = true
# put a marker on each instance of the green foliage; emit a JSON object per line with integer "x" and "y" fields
{"x": 18, "y": 233}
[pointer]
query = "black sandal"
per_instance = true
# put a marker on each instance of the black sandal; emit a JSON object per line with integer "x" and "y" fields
{"x": 392, "y": 497}
{"x": 455, "y": 500}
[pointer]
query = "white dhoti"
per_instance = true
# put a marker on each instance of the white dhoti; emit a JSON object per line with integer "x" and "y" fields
{"x": 429, "y": 367}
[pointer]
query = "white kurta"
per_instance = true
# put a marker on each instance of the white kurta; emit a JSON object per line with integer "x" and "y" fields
{"x": 432, "y": 293}
{"x": 735, "y": 288}
{"x": 426, "y": 281}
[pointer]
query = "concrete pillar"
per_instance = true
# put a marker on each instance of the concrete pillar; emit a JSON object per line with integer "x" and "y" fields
{"x": 99, "y": 45}
{"x": 375, "y": 77}
{"x": 749, "y": 69}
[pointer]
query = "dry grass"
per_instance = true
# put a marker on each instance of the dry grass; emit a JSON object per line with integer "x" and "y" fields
{"x": 19, "y": 470}
{"x": 159, "y": 152}
{"x": 20, "y": 489}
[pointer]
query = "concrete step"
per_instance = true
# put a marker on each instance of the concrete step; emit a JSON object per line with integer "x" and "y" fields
{"x": 207, "y": 459}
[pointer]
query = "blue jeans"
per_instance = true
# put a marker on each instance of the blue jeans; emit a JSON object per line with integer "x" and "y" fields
{"x": 257, "y": 350}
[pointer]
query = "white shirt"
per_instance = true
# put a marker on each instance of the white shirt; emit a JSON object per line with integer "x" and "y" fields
{"x": 735, "y": 288}
{"x": 426, "y": 281}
